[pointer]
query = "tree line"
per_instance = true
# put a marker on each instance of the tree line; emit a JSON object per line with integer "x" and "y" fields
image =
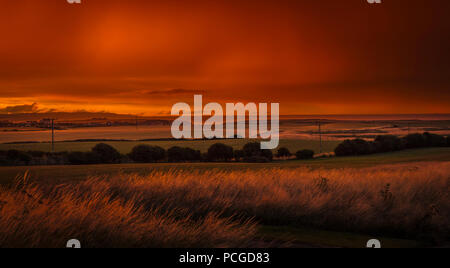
{"x": 104, "y": 153}
{"x": 251, "y": 152}
{"x": 391, "y": 143}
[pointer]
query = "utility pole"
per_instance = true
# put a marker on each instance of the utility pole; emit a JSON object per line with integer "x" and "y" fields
{"x": 53, "y": 133}
{"x": 320, "y": 135}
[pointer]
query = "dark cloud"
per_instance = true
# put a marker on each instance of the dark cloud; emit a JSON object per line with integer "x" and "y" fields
{"x": 175, "y": 92}
{"x": 20, "y": 109}
{"x": 342, "y": 56}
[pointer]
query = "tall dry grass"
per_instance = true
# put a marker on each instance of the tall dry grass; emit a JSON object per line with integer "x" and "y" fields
{"x": 32, "y": 216}
{"x": 212, "y": 208}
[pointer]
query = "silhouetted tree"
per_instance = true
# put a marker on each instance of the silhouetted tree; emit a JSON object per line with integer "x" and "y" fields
{"x": 354, "y": 147}
{"x": 16, "y": 156}
{"x": 147, "y": 154}
{"x": 175, "y": 154}
{"x": 434, "y": 140}
{"x": 239, "y": 155}
{"x": 106, "y": 153}
{"x": 220, "y": 152}
{"x": 388, "y": 143}
{"x": 267, "y": 154}
{"x": 253, "y": 151}
{"x": 77, "y": 158}
{"x": 178, "y": 154}
{"x": 305, "y": 154}
{"x": 284, "y": 152}
{"x": 414, "y": 141}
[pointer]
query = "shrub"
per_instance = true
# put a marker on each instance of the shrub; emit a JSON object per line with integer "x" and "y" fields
{"x": 284, "y": 152}
{"x": 253, "y": 150}
{"x": 220, "y": 152}
{"x": 192, "y": 155}
{"x": 93, "y": 158}
{"x": 434, "y": 140}
{"x": 76, "y": 158}
{"x": 239, "y": 155}
{"x": 37, "y": 154}
{"x": 18, "y": 156}
{"x": 12, "y": 155}
{"x": 147, "y": 154}
{"x": 354, "y": 147}
{"x": 267, "y": 154}
{"x": 305, "y": 154}
{"x": 80, "y": 158}
{"x": 106, "y": 153}
{"x": 388, "y": 143}
{"x": 414, "y": 141}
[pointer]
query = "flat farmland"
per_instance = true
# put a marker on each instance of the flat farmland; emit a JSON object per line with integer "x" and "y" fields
{"x": 61, "y": 174}
{"x": 202, "y": 145}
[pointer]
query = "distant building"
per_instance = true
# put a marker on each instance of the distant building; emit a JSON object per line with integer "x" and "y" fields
{"x": 46, "y": 123}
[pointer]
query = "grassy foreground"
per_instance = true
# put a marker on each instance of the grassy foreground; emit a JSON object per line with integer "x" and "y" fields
{"x": 232, "y": 208}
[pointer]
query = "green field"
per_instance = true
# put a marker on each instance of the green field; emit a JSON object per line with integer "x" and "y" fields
{"x": 125, "y": 147}
{"x": 59, "y": 174}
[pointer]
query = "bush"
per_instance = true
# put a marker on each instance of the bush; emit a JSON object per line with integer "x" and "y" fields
{"x": 284, "y": 152}
{"x": 414, "y": 141}
{"x": 253, "y": 150}
{"x": 434, "y": 140}
{"x": 220, "y": 152}
{"x": 354, "y": 147}
{"x": 147, "y": 154}
{"x": 16, "y": 156}
{"x": 12, "y": 155}
{"x": 267, "y": 154}
{"x": 80, "y": 158}
{"x": 106, "y": 153}
{"x": 305, "y": 154}
{"x": 178, "y": 154}
{"x": 388, "y": 143}
{"x": 77, "y": 158}
{"x": 239, "y": 155}
{"x": 37, "y": 154}
{"x": 192, "y": 155}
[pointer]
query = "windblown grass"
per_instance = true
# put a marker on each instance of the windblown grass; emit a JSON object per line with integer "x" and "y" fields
{"x": 33, "y": 217}
{"x": 213, "y": 208}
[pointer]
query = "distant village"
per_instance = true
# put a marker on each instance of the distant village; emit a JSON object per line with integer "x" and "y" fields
{"x": 94, "y": 122}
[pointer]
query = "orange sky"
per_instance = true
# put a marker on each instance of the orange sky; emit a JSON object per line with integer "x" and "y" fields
{"x": 314, "y": 57}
